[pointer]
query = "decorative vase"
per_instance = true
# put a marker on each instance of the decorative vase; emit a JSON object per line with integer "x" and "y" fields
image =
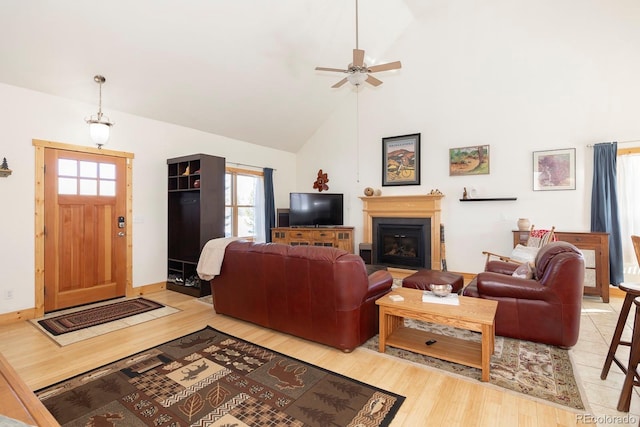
{"x": 368, "y": 191}
{"x": 524, "y": 224}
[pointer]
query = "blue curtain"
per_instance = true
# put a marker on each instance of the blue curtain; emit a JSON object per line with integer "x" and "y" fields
{"x": 604, "y": 205}
{"x": 269, "y": 204}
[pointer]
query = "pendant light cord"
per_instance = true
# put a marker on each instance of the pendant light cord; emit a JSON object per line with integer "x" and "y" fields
{"x": 357, "y": 133}
{"x": 356, "y": 24}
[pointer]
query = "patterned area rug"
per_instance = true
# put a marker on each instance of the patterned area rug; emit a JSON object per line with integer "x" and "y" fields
{"x": 209, "y": 378}
{"x": 75, "y": 321}
{"x": 534, "y": 369}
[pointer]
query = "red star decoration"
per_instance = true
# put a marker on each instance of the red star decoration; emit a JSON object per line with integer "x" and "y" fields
{"x": 321, "y": 181}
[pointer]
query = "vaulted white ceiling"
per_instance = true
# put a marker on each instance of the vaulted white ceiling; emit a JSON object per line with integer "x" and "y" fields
{"x": 238, "y": 68}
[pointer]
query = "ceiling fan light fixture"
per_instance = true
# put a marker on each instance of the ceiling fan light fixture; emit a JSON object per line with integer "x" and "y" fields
{"x": 99, "y": 124}
{"x": 357, "y": 78}
{"x": 357, "y": 71}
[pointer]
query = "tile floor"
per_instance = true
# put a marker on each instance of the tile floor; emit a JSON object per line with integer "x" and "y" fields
{"x": 596, "y": 330}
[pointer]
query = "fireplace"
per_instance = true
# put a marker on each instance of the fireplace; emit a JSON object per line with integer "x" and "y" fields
{"x": 424, "y": 207}
{"x": 402, "y": 242}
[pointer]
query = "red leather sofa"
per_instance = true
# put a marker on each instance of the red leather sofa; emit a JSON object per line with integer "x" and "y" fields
{"x": 317, "y": 293}
{"x": 543, "y": 309}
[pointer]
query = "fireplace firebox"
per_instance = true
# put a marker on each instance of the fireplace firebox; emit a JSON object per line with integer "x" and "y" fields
{"x": 402, "y": 242}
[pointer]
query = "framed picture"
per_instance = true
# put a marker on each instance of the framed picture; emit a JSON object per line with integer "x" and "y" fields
{"x": 554, "y": 170}
{"x": 472, "y": 160}
{"x": 401, "y": 160}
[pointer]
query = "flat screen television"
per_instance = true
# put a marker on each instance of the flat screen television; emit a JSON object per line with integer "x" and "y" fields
{"x": 315, "y": 209}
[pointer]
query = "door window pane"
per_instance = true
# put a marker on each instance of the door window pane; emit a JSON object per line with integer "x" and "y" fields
{"x": 95, "y": 176}
{"x": 107, "y": 188}
{"x": 67, "y": 186}
{"x": 88, "y": 187}
{"x": 67, "y": 167}
{"x": 107, "y": 171}
{"x": 88, "y": 169}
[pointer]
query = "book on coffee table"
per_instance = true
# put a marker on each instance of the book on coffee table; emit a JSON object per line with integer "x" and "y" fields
{"x": 451, "y": 299}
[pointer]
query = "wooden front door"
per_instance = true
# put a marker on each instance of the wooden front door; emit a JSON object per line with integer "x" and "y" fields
{"x": 85, "y": 228}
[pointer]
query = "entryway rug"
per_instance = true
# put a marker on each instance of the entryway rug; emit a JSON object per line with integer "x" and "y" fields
{"x": 537, "y": 370}
{"x": 209, "y": 378}
{"x": 70, "y": 322}
{"x": 80, "y": 323}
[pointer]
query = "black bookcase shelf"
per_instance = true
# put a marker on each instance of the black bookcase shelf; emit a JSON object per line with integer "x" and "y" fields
{"x": 490, "y": 199}
{"x": 195, "y": 216}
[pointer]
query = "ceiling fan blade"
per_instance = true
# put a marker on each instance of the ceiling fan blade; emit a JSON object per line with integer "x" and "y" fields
{"x": 358, "y": 57}
{"x": 340, "y": 83}
{"x": 338, "y": 70}
{"x": 384, "y": 67}
{"x": 373, "y": 81}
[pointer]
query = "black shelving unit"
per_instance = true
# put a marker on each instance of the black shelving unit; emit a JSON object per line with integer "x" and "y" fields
{"x": 195, "y": 216}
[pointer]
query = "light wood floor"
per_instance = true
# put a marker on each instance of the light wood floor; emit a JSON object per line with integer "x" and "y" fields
{"x": 432, "y": 398}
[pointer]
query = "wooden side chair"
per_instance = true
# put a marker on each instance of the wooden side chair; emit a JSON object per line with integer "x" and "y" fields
{"x": 526, "y": 253}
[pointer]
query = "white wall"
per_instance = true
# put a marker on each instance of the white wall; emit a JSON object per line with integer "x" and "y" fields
{"x": 519, "y": 76}
{"x": 28, "y": 115}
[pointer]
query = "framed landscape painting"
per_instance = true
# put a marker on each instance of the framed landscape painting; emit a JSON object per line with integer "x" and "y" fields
{"x": 554, "y": 170}
{"x": 401, "y": 160}
{"x": 472, "y": 160}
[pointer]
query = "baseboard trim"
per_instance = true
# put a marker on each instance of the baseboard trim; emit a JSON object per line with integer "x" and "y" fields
{"x": 147, "y": 289}
{"x": 30, "y": 313}
{"x": 17, "y": 316}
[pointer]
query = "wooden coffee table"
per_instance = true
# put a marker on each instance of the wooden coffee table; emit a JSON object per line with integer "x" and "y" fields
{"x": 474, "y": 314}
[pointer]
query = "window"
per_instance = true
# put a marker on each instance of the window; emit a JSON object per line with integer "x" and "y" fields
{"x": 84, "y": 178}
{"x": 629, "y": 208}
{"x": 244, "y": 210}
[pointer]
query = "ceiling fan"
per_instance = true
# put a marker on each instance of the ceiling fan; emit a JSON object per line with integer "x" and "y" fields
{"x": 358, "y": 72}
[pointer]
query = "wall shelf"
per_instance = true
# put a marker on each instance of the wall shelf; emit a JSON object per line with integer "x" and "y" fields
{"x": 489, "y": 199}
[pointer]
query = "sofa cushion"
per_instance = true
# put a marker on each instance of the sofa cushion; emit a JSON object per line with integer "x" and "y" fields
{"x": 524, "y": 271}
{"x": 524, "y": 254}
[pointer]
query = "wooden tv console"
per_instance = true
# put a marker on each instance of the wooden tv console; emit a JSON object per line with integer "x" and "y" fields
{"x": 337, "y": 237}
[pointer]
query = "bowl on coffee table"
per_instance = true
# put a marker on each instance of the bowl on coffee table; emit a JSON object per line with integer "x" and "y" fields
{"x": 441, "y": 290}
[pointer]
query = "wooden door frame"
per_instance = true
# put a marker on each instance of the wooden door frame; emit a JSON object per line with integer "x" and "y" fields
{"x": 40, "y": 147}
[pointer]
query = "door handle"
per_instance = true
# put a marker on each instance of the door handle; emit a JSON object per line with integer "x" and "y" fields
{"x": 121, "y": 234}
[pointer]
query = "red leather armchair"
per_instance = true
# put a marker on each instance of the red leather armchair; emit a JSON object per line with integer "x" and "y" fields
{"x": 543, "y": 309}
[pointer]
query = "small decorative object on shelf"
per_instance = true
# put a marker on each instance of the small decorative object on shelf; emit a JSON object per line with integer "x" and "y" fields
{"x": 465, "y": 195}
{"x": 436, "y": 192}
{"x": 524, "y": 224}
{"x": 321, "y": 181}
{"x": 4, "y": 168}
{"x": 377, "y": 192}
{"x": 368, "y": 191}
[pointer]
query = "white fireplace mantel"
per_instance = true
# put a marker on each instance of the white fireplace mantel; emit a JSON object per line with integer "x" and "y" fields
{"x": 419, "y": 206}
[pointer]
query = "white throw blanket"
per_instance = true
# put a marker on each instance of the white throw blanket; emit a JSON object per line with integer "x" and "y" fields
{"x": 211, "y": 257}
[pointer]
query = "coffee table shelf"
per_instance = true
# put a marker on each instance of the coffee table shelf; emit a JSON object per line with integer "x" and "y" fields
{"x": 474, "y": 314}
{"x": 455, "y": 350}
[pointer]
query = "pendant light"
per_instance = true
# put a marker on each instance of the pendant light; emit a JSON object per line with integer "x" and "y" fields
{"x": 99, "y": 125}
